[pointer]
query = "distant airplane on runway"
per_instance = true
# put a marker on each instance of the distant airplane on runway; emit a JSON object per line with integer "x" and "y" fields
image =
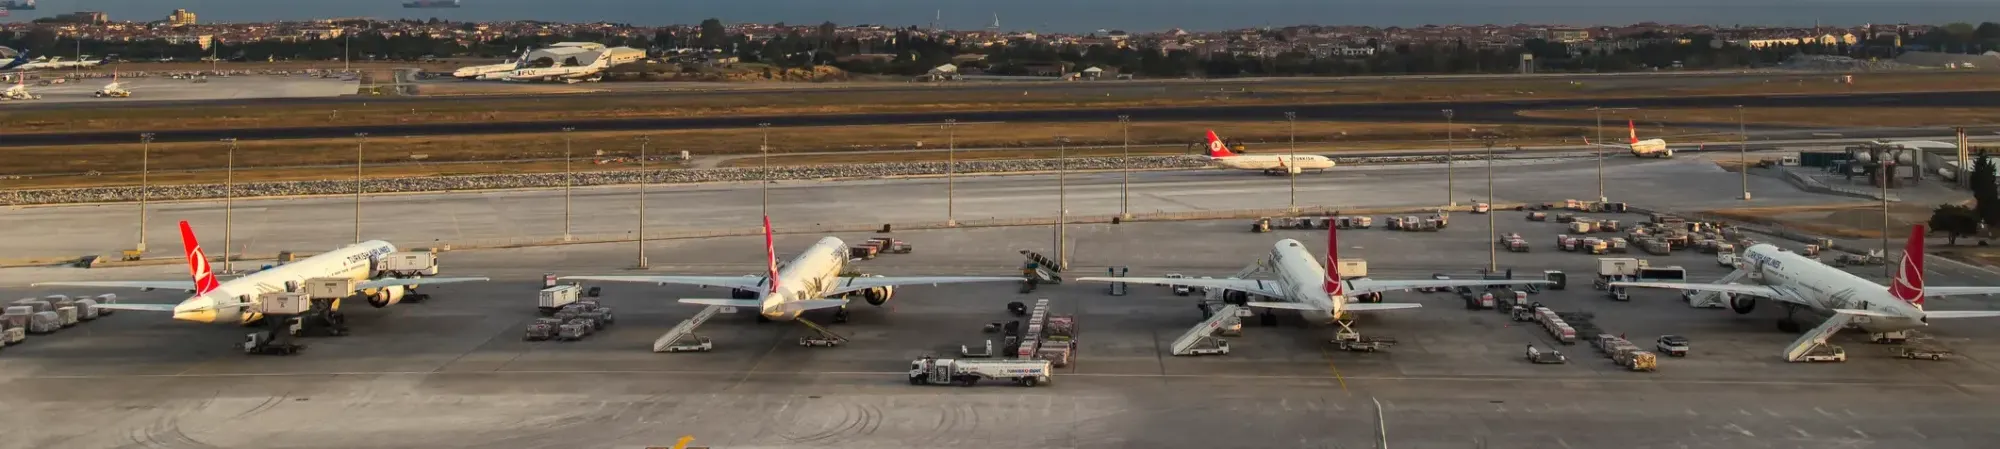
{"x": 1654, "y": 148}
{"x": 1270, "y": 164}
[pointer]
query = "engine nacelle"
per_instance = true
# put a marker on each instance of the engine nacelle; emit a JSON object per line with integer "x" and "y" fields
{"x": 1742, "y": 304}
{"x": 879, "y": 295}
{"x": 386, "y": 296}
{"x": 1234, "y": 297}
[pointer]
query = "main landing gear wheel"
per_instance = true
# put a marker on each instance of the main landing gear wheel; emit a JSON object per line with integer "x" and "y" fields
{"x": 1268, "y": 319}
{"x": 840, "y": 316}
{"x": 1788, "y": 326}
{"x": 761, "y": 319}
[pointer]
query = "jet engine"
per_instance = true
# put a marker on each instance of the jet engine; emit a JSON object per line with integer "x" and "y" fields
{"x": 1235, "y": 297}
{"x": 1742, "y": 304}
{"x": 879, "y": 295}
{"x": 386, "y": 296}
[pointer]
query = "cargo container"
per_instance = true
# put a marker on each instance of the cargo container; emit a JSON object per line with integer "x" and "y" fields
{"x": 555, "y": 298}
{"x": 1027, "y": 373}
{"x": 409, "y": 263}
{"x": 13, "y": 335}
{"x": 44, "y": 323}
{"x": 66, "y": 316}
{"x": 86, "y": 309}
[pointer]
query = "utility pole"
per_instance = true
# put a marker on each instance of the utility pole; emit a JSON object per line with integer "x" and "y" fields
{"x": 1492, "y": 229}
{"x": 346, "y": 51}
{"x": 569, "y": 178}
{"x": 1062, "y": 202}
{"x": 950, "y": 170}
{"x": 1125, "y": 167}
{"x": 358, "y": 158}
{"x": 1600, "y": 154}
{"x": 765, "y": 150}
{"x": 145, "y": 186}
{"x": 1743, "y": 151}
{"x": 1292, "y": 171}
{"x": 1449, "y": 142}
{"x": 1887, "y": 164}
{"x": 643, "y": 177}
{"x": 228, "y": 204}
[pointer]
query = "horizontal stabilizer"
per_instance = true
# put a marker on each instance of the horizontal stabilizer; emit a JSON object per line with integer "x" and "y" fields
{"x": 801, "y": 306}
{"x": 1281, "y": 305}
{"x": 1962, "y": 314}
{"x": 186, "y": 286}
{"x": 1859, "y": 312}
{"x": 1364, "y": 307}
{"x": 751, "y": 303}
{"x": 1956, "y": 291}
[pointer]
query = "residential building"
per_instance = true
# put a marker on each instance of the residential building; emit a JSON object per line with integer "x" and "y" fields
{"x": 180, "y": 18}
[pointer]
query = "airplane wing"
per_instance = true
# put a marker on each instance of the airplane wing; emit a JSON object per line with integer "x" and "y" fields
{"x": 1366, "y": 286}
{"x": 139, "y": 307}
{"x": 1955, "y": 291}
{"x": 743, "y": 282}
{"x": 394, "y": 282}
{"x": 1961, "y": 313}
{"x": 1369, "y": 307}
{"x": 1250, "y": 286}
{"x": 853, "y": 284}
{"x": 1740, "y": 289}
{"x": 187, "y": 286}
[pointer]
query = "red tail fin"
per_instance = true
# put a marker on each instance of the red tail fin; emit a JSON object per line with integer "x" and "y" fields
{"x": 1909, "y": 283}
{"x": 770, "y": 255}
{"x": 1633, "y": 126}
{"x": 1215, "y": 146}
{"x": 198, "y": 267}
{"x": 1332, "y": 283}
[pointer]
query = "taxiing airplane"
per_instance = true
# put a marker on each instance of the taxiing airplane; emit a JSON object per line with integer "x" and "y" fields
{"x": 1655, "y": 148}
{"x": 1317, "y": 293}
{"x": 1270, "y": 164}
{"x": 1795, "y": 282}
{"x": 19, "y": 91}
{"x": 230, "y": 302}
{"x": 113, "y": 90}
{"x": 810, "y": 281}
{"x": 591, "y": 72}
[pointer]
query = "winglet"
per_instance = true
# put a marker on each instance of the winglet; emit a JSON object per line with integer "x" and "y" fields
{"x": 1909, "y": 283}
{"x": 770, "y": 256}
{"x": 1216, "y": 148}
{"x": 1633, "y": 126}
{"x": 198, "y": 267}
{"x": 1332, "y": 282}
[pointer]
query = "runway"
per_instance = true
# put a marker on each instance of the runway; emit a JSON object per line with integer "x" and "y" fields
{"x": 488, "y": 218}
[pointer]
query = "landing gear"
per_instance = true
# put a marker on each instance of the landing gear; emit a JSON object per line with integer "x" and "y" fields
{"x": 323, "y": 318}
{"x": 1268, "y": 319}
{"x": 761, "y": 319}
{"x": 840, "y": 315}
{"x": 1786, "y": 324}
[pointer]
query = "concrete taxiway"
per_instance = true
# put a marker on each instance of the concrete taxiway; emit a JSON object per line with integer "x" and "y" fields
{"x": 453, "y": 370}
{"x": 492, "y": 218}
{"x": 165, "y": 89}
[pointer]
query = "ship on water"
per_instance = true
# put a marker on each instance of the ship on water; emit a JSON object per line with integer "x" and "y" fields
{"x": 17, "y": 5}
{"x": 430, "y": 4}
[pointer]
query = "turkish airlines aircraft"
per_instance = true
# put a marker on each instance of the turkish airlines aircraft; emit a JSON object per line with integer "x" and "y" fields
{"x": 230, "y": 302}
{"x": 1795, "y": 281}
{"x": 1303, "y": 285}
{"x": 1270, "y": 164}
{"x": 810, "y": 281}
{"x": 1655, "y": 148}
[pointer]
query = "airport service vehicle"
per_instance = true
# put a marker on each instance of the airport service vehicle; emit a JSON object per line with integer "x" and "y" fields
{"x": 1551, "y": 357}
{"x": 697, "y": 344}
{"x": 1316, "y": 292}
{"x": 932, "y": 371}
{"x": 1920, "y": 354}
{"x": 810, "y": 281}
{"x": 214, "y": 301}
{"x": 1796, "y": 282}
{"x": 554, "y": 298}
{"x": 1270, "y": 164}
{"x": 1653, "y": 148}
{"x": 1354, "y": 342}
{"x": 1825, "y": 354}
{"x": 1673, "y": 345}
{"x": 1636, "y": 360}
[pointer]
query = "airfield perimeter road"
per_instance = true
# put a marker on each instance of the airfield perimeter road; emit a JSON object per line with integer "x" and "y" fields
{"x": 453, "y": 371}
{"x": 1469, "y": 112}
{"x": 266, "y": 226}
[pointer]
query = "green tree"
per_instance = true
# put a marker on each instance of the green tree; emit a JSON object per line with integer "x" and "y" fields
{"x": 1955, "y": 221}
{"x": 1985, "y": 193}
{"x": 712, "y": 35}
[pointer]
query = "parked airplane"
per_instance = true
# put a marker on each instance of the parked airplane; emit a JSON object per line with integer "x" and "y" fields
{"x": 1270, "y": 164}
{"x": 1655, "y": 148}
{"x": 810, "y": 281}
{"x": 20, "y": 59}
{"x": 481, "y": 71}
{"x": 1795, "y": 282}
{"x": 230, "y": 302}
{"x": 19, "y": 91}
{"x": 592, "y": 72}
{"x": 1317, "y": 293}
{"x": 113, "y": 90}
{"x": 21, "y": 63}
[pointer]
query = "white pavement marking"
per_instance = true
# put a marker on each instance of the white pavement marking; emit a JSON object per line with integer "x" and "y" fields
{"x": 1739, "y": 429}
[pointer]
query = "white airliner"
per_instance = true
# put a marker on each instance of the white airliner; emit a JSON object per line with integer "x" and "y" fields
{"x": 19, "y": 91}
{"x": 1270, "y": 164}
{"x": 1796, "y": 281}
{"x": 1656, "y": 148}
{"x": 810, "y": 281}
{"x": 229, "y": 302}
{"x": 480, "y": 71}
{"x": 1315, "y": 292}
{"x": 113, "y": 90}
{"x": 592, "y": 71}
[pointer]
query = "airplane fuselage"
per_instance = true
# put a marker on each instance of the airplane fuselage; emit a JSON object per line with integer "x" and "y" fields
{"x": 1301, "y": 278}
{"x": 1825, "y": 288}
{"x": 352, "y": 261}
{"x": 1280, "y": 162}
{"x": 806, "y": 277}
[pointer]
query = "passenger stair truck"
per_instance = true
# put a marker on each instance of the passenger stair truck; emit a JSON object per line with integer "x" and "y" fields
{"x": 682, "y": 337}
{"x": 1026, "y": 373}
{"x": 1812, "y": 347}
{"x": 1202, "y": 340}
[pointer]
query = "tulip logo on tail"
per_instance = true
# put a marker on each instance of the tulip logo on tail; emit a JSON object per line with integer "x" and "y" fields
{"x": 1909, "y": 283}
{"x": 770, "y": 255}
{"x": 1332, "y": 281}
{"x": 1633, "y": 126}
{"x": 198, "y": 267}
{"x": 1215, "y": 146}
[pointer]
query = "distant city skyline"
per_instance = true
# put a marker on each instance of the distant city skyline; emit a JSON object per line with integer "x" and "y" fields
{"x": 1076, "y": 16}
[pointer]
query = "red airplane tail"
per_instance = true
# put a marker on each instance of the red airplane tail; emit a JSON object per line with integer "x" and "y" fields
{"x": 1909, "y": 283}
{"x": 1332, "y": 282}
{"x": 198, "y": 267}
{"x": 770, "y": 256}
{"x": 1215, "y": 146}
{"x": 1633, "y": 127}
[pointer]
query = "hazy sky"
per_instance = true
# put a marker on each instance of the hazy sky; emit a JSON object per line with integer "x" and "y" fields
{"x": 1081, "y": 15}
